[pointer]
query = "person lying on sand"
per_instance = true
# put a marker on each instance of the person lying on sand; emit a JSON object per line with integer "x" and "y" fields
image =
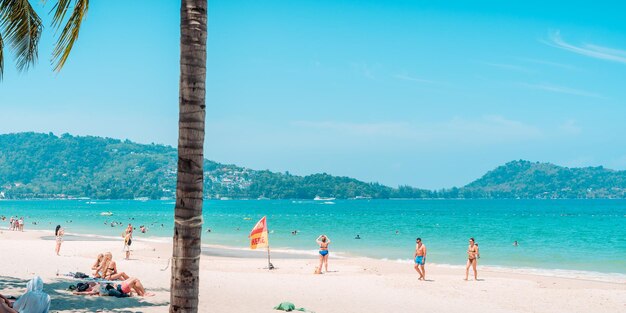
{"x": 109, "y": 269}
{"x": 92, "y": 290}
{"x": 33, "y": 301}
{"x": 122, "y": 290}
{"x": 133, "y": 284}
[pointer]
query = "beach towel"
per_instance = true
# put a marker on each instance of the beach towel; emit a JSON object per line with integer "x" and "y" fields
{"x": 34, "y": 300}
{"x": 288, "y": 307}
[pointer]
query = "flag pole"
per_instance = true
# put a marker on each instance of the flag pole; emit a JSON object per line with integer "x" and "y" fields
{"x": 269, "y": 263}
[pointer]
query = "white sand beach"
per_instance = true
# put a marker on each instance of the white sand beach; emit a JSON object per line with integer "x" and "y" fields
{"x": 241, "y": 284}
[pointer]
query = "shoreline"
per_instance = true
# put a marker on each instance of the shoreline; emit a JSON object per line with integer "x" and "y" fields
{"x": 215, "y": 250}
{"x": 172, "y": 200}
{"x": 243, "y": 284}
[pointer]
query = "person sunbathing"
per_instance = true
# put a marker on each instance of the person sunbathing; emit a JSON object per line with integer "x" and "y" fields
{"x": 124, "y": 289}
{"x": 133, "y": 284}
{"x": 108, "y": 268}
{"x": 33, "y": 301}
{"x": 96, "y": 266}
{"x": 92, "y": 290}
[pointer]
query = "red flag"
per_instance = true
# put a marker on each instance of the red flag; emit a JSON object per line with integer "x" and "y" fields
{"x": 258, "y": 235}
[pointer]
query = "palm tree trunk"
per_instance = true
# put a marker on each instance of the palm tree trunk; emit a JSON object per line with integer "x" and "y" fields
{"x": 189, "y": 185}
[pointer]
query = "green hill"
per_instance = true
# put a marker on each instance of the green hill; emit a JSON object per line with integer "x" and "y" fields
{"x": 524, "y": 179}
{"x": 34, "y": 165}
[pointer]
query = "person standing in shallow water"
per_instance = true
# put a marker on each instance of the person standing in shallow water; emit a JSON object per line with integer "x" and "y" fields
{"x": 58, "y": 234}
{"x": 323, "y": 242}
{"x": 472, "y": 259}
{"x": 420, "y": 258}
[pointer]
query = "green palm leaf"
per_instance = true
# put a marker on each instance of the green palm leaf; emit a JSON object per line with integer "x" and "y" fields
{"x": 70, "y": 31}
{"x": 1, "y": 56}
{"x": 21, "y": 27}
{"x": 22, "y": 30}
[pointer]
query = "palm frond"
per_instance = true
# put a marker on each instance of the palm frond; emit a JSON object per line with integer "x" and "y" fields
{"x": 70, "y": 31}
{"x": 22, "y": 30}
{"x": 60, "y": 9}
{"x": 1, "y": 56}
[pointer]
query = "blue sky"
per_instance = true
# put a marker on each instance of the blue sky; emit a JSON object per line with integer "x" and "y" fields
{"x": 424, "y": 93}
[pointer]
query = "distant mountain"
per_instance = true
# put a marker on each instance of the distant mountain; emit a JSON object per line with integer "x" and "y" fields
{"x": 34, "y": 165}
{"x": 524, "y": 179}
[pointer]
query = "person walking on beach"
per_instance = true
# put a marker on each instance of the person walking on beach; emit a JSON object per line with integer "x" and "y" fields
{"x": 472, "y": 254}
{"x": 323, "y": 241}
{"x": 420, "y": 258}
{"x": 127, "y": 242}
{"x": 21, "y": 223}
{"x": 58, "y": 234}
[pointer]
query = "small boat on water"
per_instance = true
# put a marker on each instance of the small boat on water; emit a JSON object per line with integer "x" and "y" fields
{"x": 318, "y": 198}
{"x": 106, "y": 213}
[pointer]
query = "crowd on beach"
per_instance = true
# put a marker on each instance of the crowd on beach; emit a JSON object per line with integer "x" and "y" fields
{"x": 105, "y": 279}
{"x": 419, "y": 256}
{"x": 59, "y": 232}
{"x": 15, "y": 224}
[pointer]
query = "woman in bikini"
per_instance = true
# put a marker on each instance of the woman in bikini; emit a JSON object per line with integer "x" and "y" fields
{"x": 96, "y": 266}
{"x": 58, "y": 234}
{"x": 472, "y": 253}
{"x": 108, "y": 269}
{"x": 323, "y": 241}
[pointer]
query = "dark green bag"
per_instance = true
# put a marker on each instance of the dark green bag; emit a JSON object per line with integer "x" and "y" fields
{"x": 288, "y": 307}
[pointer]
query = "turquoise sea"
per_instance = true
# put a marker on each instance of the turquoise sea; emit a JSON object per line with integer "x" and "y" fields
{"x": 581, "y": 235}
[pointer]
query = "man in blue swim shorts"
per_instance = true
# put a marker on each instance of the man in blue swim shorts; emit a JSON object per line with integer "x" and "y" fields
{"x": 420, "y": 258}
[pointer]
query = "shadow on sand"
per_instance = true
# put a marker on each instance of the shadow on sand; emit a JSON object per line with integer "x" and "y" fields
{"x": 65, "y": 300}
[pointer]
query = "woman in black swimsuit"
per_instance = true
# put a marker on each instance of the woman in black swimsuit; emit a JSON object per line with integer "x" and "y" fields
{"x": 472, "y": 254}
{"x": 109, "y": 269}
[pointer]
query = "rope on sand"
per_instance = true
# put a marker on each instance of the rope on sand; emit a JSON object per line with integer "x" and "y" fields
{"x": 168, "y": 264}
{"x": 179, "y": 258}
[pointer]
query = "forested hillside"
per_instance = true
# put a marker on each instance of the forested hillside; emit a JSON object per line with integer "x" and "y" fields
{"x": 34, "y": 165}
